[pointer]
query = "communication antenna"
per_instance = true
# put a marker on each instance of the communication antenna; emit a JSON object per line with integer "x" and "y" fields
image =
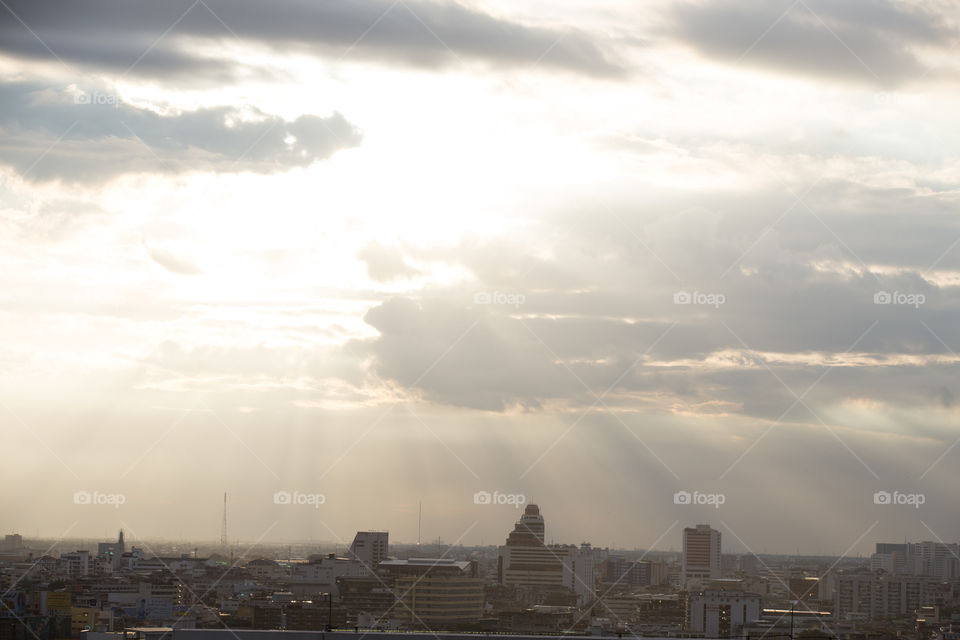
{"x": 223, "y": 527}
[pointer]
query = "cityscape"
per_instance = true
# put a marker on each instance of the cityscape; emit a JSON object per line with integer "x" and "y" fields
{"x": 525, "y": 586}
{"x": 449, "y": 319}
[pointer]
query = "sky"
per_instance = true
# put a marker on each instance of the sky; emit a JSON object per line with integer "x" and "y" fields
{"x": 647, "y": 265}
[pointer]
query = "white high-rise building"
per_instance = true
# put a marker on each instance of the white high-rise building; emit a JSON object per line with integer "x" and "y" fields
{"x": 370, "y": 548}
{"x": 579, "y": 572}
{"x": 701, "y": 555}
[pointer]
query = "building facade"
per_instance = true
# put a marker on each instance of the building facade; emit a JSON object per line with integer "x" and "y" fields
{"x": 701, "y": 555}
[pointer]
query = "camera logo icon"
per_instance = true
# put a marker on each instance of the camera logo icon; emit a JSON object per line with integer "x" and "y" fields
{"x": 482, "y": 297}
{"x": 682, "y": 497}
{"x": 282, "y": 497}
{"x": 682, "y": 297}
{"x": 482, "y": 497}
{"x": 915, "y": 500}
{"x": 82, "y": 497}
{"x": 882, "y": 297}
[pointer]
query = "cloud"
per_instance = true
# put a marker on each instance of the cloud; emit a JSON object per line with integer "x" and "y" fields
{"x": 874, "y": 42}
{"x": 798, "y": 302}
{"x": 157, "y": 40}
{"x": 171, "y": 261}
{"x": 459, "y": 356}
{"x": 385, "y": 264}
{"x": 77, "y": 135}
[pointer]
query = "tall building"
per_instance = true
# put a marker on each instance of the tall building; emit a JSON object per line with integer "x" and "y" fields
{"x": 370, "y": 548}
{"x": 525, "y": 561}
{"x": 578, "y": 572}
{"x": 701, "y": 555}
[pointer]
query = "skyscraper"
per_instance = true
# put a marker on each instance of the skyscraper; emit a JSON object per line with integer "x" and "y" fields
{"x": 701, "y": 554}
{"x": 525, "y": 560}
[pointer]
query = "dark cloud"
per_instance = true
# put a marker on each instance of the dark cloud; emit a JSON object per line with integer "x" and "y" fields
{"x": 79, "y": 135}
{"x": 597, "y": 307}
{"x": 455, "y": 355}
{"x": 156, "y": 39}
{"x": 875, "y": 42}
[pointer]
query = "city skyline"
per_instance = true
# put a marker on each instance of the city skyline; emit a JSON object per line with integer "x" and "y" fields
{"x": 526, "y": 585}
{"x": 410, "y": 265}
{"x": 669, "y": 544}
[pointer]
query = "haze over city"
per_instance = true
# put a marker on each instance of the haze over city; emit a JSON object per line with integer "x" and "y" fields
{"x": 412, "y": 266}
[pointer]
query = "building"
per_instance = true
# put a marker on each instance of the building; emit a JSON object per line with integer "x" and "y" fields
{"x": 75, "y": 564}
{"x": 805, "y": 588}
{"x": 435, "y": 593}
{"x": 578, "y": 572}
{"x": 894, "y": 562}
{"x": 309, "y": 615}
{"x": 365, "y": 596}
{"x": 934, "y": 559}
{"x": 529, "y": 529}
{"x": 12, "y": 542}
{"x": 266, "y": 569}
{"x": 892, "y": 547}
{"x": 321, "y": 573}
{"x": 370, "y": 548}
{"x": 82, "y": 619}
{"x": 633, "y": 573}
{"x": 722, "y": 614}
{"x": 937, "y": 559}
{"x": 701, "y": 555}
{"x": 525, "y": 561}
{"x": 112, "y": 552}
{"x": 877, "y": 595}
